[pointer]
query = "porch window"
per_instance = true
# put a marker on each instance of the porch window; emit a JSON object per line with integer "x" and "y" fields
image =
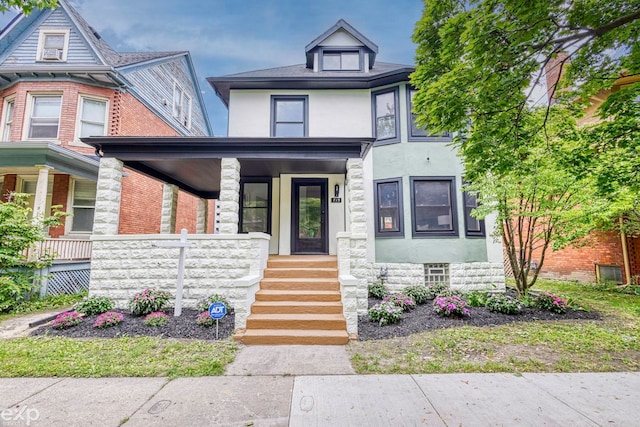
{"x": 93, "y": 116}
{"x": 84, "y": 203}
{"x": 388, "y": 202}
{"x": 385, "y": 110}
{"x": 7, "y": 118}
{"x": 474, "y": 227}
{"x": 45, "y": 116}
{"x": 289, "y": 116}
{"x": 255, "y": 209}
{"x": 433, "y": 206}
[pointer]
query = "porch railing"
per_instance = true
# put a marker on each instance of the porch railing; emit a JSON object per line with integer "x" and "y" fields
{"x": 62, "y": 249}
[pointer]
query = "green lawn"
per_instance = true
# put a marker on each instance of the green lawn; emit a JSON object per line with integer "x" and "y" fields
{"x": 609, "y": 344}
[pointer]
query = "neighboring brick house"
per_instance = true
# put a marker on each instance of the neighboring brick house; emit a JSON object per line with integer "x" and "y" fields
{"x": 59, "y": 82}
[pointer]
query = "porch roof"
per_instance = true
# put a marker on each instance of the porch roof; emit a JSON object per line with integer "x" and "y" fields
{"x": 193, "y": 163}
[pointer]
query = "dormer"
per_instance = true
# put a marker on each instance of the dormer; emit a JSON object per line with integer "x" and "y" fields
{"x": 341, "y": 48}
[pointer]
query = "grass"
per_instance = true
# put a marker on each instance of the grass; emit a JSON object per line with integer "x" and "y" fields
{"x": 49, "y": 302}
{"x": 609, "y": 344}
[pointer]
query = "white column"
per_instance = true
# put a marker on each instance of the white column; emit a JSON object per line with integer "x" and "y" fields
{"x": 40, "y": 200}
{"x": 108, "y": 191}
{"x": 202, "y": 215}
{"x": 169, "y": 208}
{"x": 229, "y": 196}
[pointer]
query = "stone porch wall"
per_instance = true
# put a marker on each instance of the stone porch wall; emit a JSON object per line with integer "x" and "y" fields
{"x": 230, "y": 265}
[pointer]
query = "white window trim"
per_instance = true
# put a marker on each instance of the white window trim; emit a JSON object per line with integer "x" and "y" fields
{"x": 81, "y": 97}
{"x": 3, "y": 124}
{"x": 180, "y": 116}
{"x": 46, "y": 31}
{"x": 29, "y": 111}
{"x": 68, "y": 229}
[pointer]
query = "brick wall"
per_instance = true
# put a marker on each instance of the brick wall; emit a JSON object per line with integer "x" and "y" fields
{"x": 8, "y": 186}
{"x": 60, "y": 196}
{"x": 187, "y": 212}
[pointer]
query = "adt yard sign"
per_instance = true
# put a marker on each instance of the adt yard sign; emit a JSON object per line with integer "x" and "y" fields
{"x": 217, "y": 310}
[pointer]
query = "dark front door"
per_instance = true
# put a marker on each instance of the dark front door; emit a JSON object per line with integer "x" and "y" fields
{"x": 309, "y": 216}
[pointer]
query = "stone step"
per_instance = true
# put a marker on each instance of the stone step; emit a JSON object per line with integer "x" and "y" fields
{"x": 296, "y": 321}
{"x": 293, "y": 337}
{"x": 303, "y": 261}
{"x": 296, "y": 307}
{"x": 295, "y": 295}
{"x": 297, "y": 272}
{"x": 299, "y": 284}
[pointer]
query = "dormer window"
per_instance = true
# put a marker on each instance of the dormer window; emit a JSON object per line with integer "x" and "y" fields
{"x": 53, "y": 45}
{"x": 181, "y": 105}
{"x": 341, "y": 61}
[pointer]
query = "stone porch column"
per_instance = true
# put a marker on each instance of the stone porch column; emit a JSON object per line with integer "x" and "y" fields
{"x": 40, "y": 200}
{"x": 169, "y": 208}
{"x": 229, "y": 196}
{"x": 202, "y": 214}
{"x": 108, "y": 190}
{"x": 359, "y": 266}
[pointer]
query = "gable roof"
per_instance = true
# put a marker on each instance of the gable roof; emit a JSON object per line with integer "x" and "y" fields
{"x": 341, "y": 25}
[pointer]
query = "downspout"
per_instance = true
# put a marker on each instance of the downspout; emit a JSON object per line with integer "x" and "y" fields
{"x": 625, "y": 254}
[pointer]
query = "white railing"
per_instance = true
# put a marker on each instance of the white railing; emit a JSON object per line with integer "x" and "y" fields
{"x": 62, "y": 249}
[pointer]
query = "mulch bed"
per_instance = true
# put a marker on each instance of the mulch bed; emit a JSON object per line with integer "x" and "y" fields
{"x": 183, "y": 326}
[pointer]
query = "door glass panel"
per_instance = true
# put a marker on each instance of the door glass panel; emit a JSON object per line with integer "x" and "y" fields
{"x": 309, "y": 209}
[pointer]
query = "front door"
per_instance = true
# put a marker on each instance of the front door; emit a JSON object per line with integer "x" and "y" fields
{"x": 309, "y": 216}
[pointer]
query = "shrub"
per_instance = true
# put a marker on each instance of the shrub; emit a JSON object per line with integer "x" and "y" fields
{"x": 378, "y": 290}
{"x": 67, "y": 320}
{"x": 405, "y": 302}
{"x": 385, "y": 313}
{"x": 157, "y": 318}
{"x": 450, "y": 305}
{"x": 439, "y": 289}
{"x": 504, "y": 304}
{"x": 477, "y": 298}
{"x": 108, "y": 319}
{"x": 204, "y": 303}
{"x": 420, "y": 293}
{"x": 551, "y": 302}
{"x": 148, "y": 301}
{"x": 205, "y": 320}
{"x": 94, "y": 305}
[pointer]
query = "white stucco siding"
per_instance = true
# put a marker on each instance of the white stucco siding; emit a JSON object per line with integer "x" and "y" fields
{"x": 250, "y": 113}
{"x": 340, "y": 38}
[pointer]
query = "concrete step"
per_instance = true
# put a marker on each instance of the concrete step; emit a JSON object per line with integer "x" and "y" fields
{"x": 293, "y": 337}
{"x": 296, "y": 307}
{"x": 303, "y": 261}
{"x": 296, "y": 295}
{"x": 297, "y": 272}
{"x": 296, "y": 321}
{"x": 310, "y": 284}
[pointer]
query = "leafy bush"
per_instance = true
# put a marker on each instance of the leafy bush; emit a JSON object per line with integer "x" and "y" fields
{"x": 450, "y": 305}
{"x": 94, "y": 305}
{"x": 157, "y": 318}
{"x": 148, "y": 301}
{"x": 378, "y": 290}
{"x": 504, "y": 304}
{"x": 108, "y": 319}
{"x": 204, "y": 303}
{"x": 551, "y": 302}
{"x": 48, "y": 302}
{"x": 385, "y": 313}
{"x": 477, "y": 298}
{"x": 420, "y": 293}
{"x": 405, "y": 302}
{"x": 441, "y": 289}
{"x": 205, "y": 320}
{"x": 67, "y": 320}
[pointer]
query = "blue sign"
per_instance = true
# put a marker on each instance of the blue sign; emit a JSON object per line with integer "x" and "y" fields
{"x": 217, "y": 310}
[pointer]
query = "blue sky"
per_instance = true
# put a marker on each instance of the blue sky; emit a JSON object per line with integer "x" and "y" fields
{"x": 226, "y": 37}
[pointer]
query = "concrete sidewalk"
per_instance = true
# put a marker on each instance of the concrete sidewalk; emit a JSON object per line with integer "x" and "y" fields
{"x": 326, "y": 400}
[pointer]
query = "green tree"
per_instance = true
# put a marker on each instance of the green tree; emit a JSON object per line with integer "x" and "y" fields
{"x": 27, "y": 6}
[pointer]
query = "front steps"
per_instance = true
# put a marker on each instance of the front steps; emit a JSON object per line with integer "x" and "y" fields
{"x": 298, "y": 303}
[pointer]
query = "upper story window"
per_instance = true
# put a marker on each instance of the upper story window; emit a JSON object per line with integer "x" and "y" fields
{"x": 181, "y": 105}
{"x": 388, "y": 202}
{"x": 474, "y": 227}
{"x": 53, "y": 44}
{"x": 92, "y": 116}
{"x": 417, "y": 133}
{"x": 7, "y": 118}
{"x": 385, "y": 111}
{"x": 341, "y": 60}
{"x": 44, "y": 118}
{"x": 433, "y": 206}
{"x": 289, "y": 116}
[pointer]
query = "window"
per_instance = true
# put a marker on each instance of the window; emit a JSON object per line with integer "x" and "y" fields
{"x": 7, "y": 118}
{"x": 417, "y": 133}
{"x": 83, "y": 206}
{"x": 289, "y": 116}
{"x": 92, "y": 117}
{"x": 45, "y": 116}
{"x": 388, "y": 202}
{"x": 341, "y": 61}
{"x": 255, "y": 205}
{"x": 433, "y": 206}
{"x": 436, "y": 274}
{"x": 385, "y": 107}
{"x": 181, "y": 105}
{"x": 52, "y": 44}
{"x": 474, "y": 227}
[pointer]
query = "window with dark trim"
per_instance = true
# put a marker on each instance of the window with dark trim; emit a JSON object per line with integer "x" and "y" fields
{"x": 388, "y": 202}
{"x": 289, "y": 116}
{"x": 255, "y": 205}
{"x": 473, "y": 227}
{"x": 385, "y": 116}
{"x": 417, "y": 133}
{"x": 341, "y": 60}
{"x": 433, "y": 206}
